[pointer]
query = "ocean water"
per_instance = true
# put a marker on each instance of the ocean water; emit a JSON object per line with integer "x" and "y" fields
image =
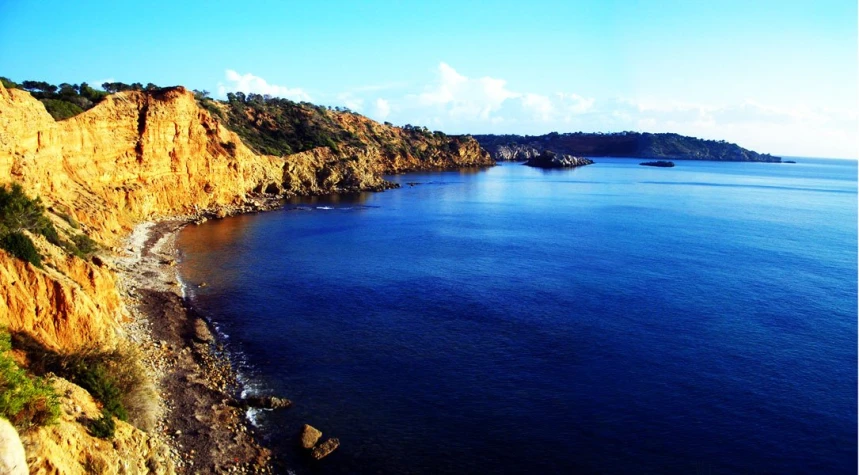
{"x": 608, "y": 319}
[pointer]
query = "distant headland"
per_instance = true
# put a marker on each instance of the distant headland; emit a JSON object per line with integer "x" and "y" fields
{"x": 621, "y": 144}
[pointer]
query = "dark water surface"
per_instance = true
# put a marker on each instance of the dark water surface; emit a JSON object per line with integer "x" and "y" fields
{"x": 608, "y": 319}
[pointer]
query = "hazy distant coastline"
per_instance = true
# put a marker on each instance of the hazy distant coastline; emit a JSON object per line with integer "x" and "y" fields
{"x": 622, "y": 144}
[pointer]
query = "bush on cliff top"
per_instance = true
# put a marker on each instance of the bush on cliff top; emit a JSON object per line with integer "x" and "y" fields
{"x": 26, "y": 401}
{"x": 61, "y": 110}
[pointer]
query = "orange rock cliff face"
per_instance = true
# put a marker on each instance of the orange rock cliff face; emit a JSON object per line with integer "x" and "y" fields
{"x": 135, "y": 156}
{"x": 140, "y": 156}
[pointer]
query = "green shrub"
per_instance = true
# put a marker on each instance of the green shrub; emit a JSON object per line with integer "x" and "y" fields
{"x": 50, "y": 233}
{"x": 104, "y": 427}
{"x": 61, "y": 109}
{"x": 115, "y": 377}
{"x": 25, "y": 401}
{"x": 69, "y": 219}
{"x": 102, "y": 386}
{"x": 84, "y": 245}
{"x": 20, "y": 213}
{"x": 21, "y": 246}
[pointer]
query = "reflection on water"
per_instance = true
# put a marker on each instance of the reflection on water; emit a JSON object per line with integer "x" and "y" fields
{"x": 217, "y": 235}
{"x": 220, "y": 237}
{"x": 332, "y": 199}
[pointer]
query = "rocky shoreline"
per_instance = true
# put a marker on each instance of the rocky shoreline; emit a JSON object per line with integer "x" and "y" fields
{"x": 202, "y": 420}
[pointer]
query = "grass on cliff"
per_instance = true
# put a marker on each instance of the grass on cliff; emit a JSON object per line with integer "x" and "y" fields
{"x": 26, "y": 401}
{"x": 115, "y": 377}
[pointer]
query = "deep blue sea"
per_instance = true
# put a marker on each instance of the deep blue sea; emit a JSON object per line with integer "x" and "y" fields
{"x": 612, "y": 318}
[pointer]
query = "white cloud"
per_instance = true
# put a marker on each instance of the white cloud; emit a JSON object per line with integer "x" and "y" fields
{"x": 248, "y": 83}
{"x": 797, "y": 130}
{"x": 539, "y": 105}
{"x": 350, "y": 101}
{"x": 383, "y": 109}
{"x": 472, "y": 104}
{"x": 574, "y": 103}
{"x": 463, "y": 98}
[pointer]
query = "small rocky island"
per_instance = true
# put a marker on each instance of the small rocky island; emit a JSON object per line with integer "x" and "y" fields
{"x": 550, "y": 159}
{"x": 658, "y": 163}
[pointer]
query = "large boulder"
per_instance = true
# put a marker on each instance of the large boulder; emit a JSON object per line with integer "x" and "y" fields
{"x": 267, "y": 402}
{"x": 202, "y": 332}
{"x": 13, "y": 461}
{"x": 550, "y": 159}
{"x": 310, "y": 436}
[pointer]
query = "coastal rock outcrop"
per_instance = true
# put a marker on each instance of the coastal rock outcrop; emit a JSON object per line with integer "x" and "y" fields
{"x": 67, "y": 446}
{"x": 550, "y": 159}
{"x": 513, "y": 152}
{"x": 13, "y": 460}
{"x": 133, "y": 157}
{"x": 324, "y": 449}
{"x": 658, "y": 163}
{"x": 310, "y": 436}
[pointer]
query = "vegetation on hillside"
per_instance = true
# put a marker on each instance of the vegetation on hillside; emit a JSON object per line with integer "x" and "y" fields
{"x": 115, "y": 378}
{"x": 26, "y": 401}
{"x": 277, "y": 126}
{"x": 20, "y": 214}
{"x": 629, "y": 144}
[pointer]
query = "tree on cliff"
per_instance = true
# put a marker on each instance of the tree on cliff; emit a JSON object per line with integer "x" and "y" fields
{"x": 20, "y": 213}
{"x": 39, "y": 86}
{"x": 8, "y": 83}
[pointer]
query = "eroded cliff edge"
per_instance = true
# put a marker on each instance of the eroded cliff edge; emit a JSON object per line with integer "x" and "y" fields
{"x": 140, "y": 156}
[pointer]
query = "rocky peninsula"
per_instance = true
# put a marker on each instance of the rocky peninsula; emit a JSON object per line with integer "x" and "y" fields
{"x": 622, "y": 144}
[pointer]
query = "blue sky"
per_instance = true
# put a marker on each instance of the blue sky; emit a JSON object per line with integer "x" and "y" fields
{"x": 774, "y": 76}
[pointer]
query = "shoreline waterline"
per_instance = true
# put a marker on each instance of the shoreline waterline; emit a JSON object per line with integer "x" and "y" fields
{"x": 197, "y": 384}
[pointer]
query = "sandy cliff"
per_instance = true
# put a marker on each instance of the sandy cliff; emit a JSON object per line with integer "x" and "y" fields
{"x": 135, "y": 156}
